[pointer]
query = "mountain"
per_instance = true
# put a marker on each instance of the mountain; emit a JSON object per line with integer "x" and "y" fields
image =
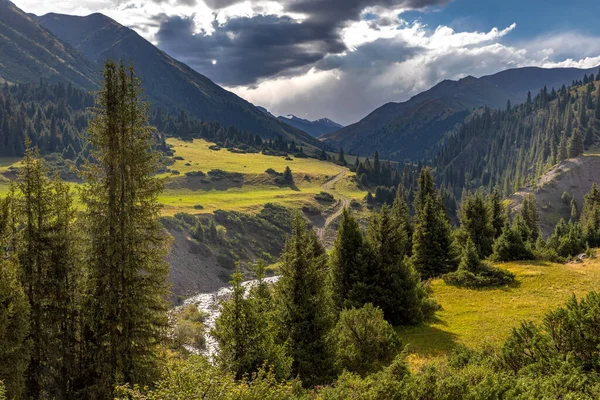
{"x": 314, "y": 128}
{"x": 413, "y": 129}
{"x": 29, "y": 52}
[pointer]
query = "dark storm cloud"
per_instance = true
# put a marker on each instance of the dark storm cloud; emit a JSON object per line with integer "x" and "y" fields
{"x": 248, "y": 49}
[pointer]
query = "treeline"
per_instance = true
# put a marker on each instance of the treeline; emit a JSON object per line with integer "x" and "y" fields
{"x": 510, "y": 148}
{"x": 83, "y": 293}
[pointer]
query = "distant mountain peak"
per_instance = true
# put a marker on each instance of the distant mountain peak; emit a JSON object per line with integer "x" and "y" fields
{"x": 314, "y": 128}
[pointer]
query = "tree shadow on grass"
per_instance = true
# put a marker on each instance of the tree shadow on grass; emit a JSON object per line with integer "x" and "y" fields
{"x": 427, "y": 341}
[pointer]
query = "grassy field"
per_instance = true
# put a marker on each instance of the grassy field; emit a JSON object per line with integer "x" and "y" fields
{"x": 479, "y": 317}
{"x": 184, "y": 194}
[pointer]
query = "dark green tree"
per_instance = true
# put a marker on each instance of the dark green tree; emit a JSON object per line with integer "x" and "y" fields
{"x": 510, "y": 245}
{"x": 425, "y": 188}
{"x": 342, "y": 158}
{"x": 401, "y": 216}
{"x": 575, "y": 146}
{"x": 590, "y": 216}
{"x": 433, "y": 253}
{"x": 498, "y": 212}
{"x": 287, "y": 176}
{"x": 305, "y": 310}
{"x": 476, "y": 224}
{"x": 531, "y": 215}
{"x": 125, "y": 313}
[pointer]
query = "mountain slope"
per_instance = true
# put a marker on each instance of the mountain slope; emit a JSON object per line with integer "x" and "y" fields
{"x": 413, "y": 129}
{"x": 167, "y": 82}
{"x": 29, "y": 52}
{"x": 314, "y": 128}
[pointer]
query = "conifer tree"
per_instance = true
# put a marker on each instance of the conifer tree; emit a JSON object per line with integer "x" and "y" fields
{"x": 305, "y": 311}
{"x": 575, "y": 147}
{"x": 476, "y": 224}
{"x": 425, "y": 188}
{"x": 510, "y": 245}
{"x": 433, "y": 253}
{"x": 401, "y": 215}
{"x": 531, "y": 215}
{"x": 246, "y": 336}
{"x": 347, "y": 259}
{"x": 393, "y": 283}
{"x": 590, "y": 216}
{"x": 498, "y": 212}
{"x": 14, "y": 317}
{"x": 126, "y": 307}
{"x": 287, "y": 176}
{"x": 342, "y": 158}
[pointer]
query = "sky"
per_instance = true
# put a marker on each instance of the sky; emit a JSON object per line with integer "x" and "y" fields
{"x": 341, "y": 59}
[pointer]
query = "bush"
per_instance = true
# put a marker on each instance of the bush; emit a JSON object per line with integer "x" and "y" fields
{"x": 226, "y": 262}
{"x": 364, "y": 341}
{"x": 355, "y": 203}
{"x": 325, "y": 197}
{"x": 198, "y": 207}
{"x": 195, "y": 174}
{"x": 179, "y": 158}
{"x": 311, "y": 210}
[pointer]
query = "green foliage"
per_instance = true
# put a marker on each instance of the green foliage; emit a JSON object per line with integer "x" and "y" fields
{"x": 325, "y": 197}
{"x": 476, "y": 223}
{"x": 287, "y": 176}
{"x": 568, "y": 239}
{"x": 125, "y": 313}
{"x": 14, "y": 328}
{"x": 510, "y": 245}
{"x": 590, "y": 216}
{"x": 433, "y": 253}
{"x": 246, "y": 333}
{"x": 497, "y": 211}
{"x": 189, "y": 328}
{"x": 196, "y": 378}
{"x": 473, "y": 273}
{"x": 364, "y": 341}
{"x": 304, "y": 306}
{"x": 531, "y": 216}
{"x": 575, "y": 146}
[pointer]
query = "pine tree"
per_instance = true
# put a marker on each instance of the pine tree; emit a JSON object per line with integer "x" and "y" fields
{"x": 498, "y": 212}
{"x": 392, "y": 283}
{"x": 14, "y": 317}
{"x": 531, "y": 216}
{"x": 425, "y": 188}
{"x": 575, "y": 147}
{"x": 563, "y": 153}
{"x": 287, "y": 176}
{"x": 433, "y": 252}
{"x": 126, "y": 307}
{"x": 346, "y": 259}
{"x": 245, "y": 335}
{"x": 476, "y": 224}
{"x": 304, "y": 305}
{"x": 590, "y": 216}
{"x": 510, "y": 245}
{"x": 342, "y": 158}
{"x": 401, "y": 215}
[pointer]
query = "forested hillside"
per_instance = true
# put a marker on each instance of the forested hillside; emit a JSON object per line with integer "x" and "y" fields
{"x": 512, "y": 147}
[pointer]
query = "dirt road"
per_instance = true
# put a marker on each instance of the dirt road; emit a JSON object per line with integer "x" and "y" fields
{"x": 342, "y": 203}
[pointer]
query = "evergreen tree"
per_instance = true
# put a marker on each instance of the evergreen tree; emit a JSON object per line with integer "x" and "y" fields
{"x": 575, "y": 147}
{"x": 432, "y": 252}
{"x": 341, "y": 158}
{"x": 245, "y": 336}
{"x": 376, "y": 169}
{"x": 126, "y": 307}
{"x": 287, "y": 176}
{"x": 346, "y": 259}
{"x": 401, "y": 215}
{"x": 510, "y": 245}
{"x": 590, "y": 216}
{"x": 14, "y": 318}
{"x": 476, "y": 224}
{"x": 304, "y": 305}
{"x": 393, "y": 284}
{"x": 425, "y": 188}
{"x": 531, "y": 216}
{"x": 498, "y": 212}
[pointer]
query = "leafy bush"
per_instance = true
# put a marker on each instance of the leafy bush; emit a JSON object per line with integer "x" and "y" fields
{"x": 364, "y": 341}
{"x": 325, "y": 197}
{"x": 171, "y": 223}
{"x": 311, "y": 209}
{"x": 195, "y": 174}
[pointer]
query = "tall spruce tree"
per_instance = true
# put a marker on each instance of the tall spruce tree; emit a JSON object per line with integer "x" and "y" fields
{"x": 590, "y": 216}
{"x": 498, "y": 212}
{"x": 433, "y": 252}
{"x": 425, "y": 188}
{"x": 531, "y": 216}
{"x": 401, "y": 215}
{"x": 575, "y": 146}
{"x": 393, "y": 285}
{"x": 14, "y": 315}
{"x": 476, "y": 224}
{"x": 126, "y": 307}
{"x": 48, "y": 255}
{"x": 346, "y": 259}
{"x": 304, "y": 305}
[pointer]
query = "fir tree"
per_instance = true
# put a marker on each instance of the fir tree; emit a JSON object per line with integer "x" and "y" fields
{"x": 510, "y": 245}
{"x": 575, "y": 147}
{"x": 126, "y": 308}
{"x": 287, "y": 176}
{"x": 432, "y": 252}
{"x": 531, "y": 216}
{"x": 393, "y": 284}
{"x": 590, "y": 216}
{"x": 425, "y": 188}
{"x": 401, "y": 215}
{"x": 346, "y": 259}
{"x": 498, "y": 212}
{"x": 304, "y": 305}
{"x": 342, "y": 158}
{"x": 476, "y": 224}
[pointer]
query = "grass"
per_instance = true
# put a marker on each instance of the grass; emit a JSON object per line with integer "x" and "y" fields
{"x": 479, "y": 317}
{"x": 183, "y": 193}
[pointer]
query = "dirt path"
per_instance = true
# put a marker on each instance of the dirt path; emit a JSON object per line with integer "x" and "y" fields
{"x": 342, "y": 203}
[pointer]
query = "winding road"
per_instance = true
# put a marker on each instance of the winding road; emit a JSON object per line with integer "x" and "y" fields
{"x": 343, "y": 202}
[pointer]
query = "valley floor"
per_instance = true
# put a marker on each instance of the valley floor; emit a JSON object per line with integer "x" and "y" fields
{"x": 477, "y": 318}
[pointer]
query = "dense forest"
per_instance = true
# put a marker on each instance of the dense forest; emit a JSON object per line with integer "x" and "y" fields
{"x": 510, "y": 148}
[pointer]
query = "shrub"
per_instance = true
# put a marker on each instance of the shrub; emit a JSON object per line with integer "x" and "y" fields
{"x": 198, "y": 207}
{"x": 325, "y": 197}
{"x": 355, "y": 203}
{"x": 175, "y": 172}
{"x": 179, "y": 158}
{"x": 311, "y": 210}
{"x": 226, "y": 262}
{"x": 364, "y": 341}
{"x": 195, "y": 174}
